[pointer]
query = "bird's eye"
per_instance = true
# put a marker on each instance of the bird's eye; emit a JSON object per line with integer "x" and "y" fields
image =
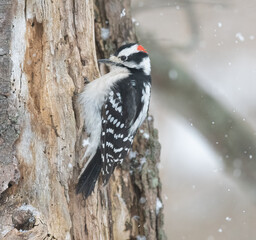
{"x": 123, "y": 58}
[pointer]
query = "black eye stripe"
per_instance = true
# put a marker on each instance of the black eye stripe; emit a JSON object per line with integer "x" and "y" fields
{"x": 137, "y": 57}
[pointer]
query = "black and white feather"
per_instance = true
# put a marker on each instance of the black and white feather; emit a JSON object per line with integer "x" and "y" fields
{"x": 113, "y": 107}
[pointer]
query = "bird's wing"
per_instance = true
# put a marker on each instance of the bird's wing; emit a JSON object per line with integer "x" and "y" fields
{"x": 118, "y": 111}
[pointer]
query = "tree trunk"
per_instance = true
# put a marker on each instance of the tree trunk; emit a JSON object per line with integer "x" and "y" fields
{"x": 47, "y": 50}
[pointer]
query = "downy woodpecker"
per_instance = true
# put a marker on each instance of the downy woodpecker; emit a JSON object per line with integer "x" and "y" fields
{"x": 113, "y": 107}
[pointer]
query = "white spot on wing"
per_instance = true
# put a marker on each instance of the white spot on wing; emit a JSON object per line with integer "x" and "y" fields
{"x": 109, "y": 144}
{"x": 116, "y": 150}
{"x": 119, "y": 109}
{"x": 110, "y": 130}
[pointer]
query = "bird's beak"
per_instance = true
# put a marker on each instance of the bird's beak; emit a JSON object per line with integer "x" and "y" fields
{"x": 111, "y": 61}
{"x": 106, "y": 61}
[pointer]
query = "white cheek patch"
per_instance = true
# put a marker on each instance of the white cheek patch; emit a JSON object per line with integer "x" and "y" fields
{"x": 131, "y": 65}
{"x": 145, "y": 65}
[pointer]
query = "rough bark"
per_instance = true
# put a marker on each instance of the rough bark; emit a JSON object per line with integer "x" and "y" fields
{"x": 8, "y": 116}
{"x": 47, "y": 50}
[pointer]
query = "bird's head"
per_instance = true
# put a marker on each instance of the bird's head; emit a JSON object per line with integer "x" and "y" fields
{"x": 131, "y": 56}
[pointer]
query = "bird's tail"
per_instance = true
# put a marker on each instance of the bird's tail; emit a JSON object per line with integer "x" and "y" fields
{"x": 90, "y": 175}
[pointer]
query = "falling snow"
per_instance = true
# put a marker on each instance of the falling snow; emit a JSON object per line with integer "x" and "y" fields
{"x": 132, "y": 154}
{"x": 104, "y": 33}
{"x": 173, "y": 75}
{"x": 122, "y": 13}
{"x": 240, "y": 37}
{"x": 227, "y": 60}
{"x": 146, "y": 135}
{"x": 150, "y": 118}
{"x": 86, "y": 142}
{"x": 142, "y": 200}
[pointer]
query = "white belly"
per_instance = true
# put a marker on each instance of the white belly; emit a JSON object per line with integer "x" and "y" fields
{"x": 91, "y": 101}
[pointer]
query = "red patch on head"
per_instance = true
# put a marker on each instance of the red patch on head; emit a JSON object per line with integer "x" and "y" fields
{"x": 142, "y": 49}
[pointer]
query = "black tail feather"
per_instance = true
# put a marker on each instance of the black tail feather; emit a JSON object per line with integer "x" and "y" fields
{"x": 90, "y": 175}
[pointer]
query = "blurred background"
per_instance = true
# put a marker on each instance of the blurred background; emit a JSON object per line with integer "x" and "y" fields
{"x": 203, "y": 54}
